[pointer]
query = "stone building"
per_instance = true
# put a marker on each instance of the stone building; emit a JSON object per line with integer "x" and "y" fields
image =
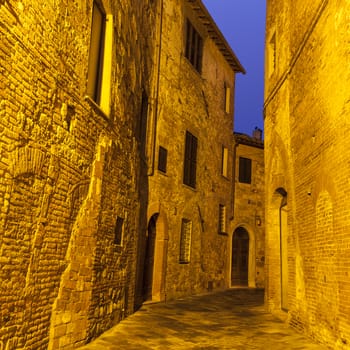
{"x": 189, "y": 156}
{"x": 248, "y": 234}
{"x": 115, "y": 136}
{"x": 72, "y": 76}
{"x": 307, "y": 149}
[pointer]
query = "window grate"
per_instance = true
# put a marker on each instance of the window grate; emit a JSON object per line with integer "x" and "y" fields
{"x": 185, "y": 241}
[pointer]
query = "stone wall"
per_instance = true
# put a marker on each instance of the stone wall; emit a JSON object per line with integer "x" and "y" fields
{"x": 307, "y": 169}
{"x": 194, "y": 102}
{"x": 72, "y": 170}
{"x": 249, "y": 204}
{"x": 67, "y": 170}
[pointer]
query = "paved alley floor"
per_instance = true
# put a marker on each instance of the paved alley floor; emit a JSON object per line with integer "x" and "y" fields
{"x": 231, "y": 319}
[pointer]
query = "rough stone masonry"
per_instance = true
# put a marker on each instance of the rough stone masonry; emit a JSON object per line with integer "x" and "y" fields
{"x": 68, "y": 171}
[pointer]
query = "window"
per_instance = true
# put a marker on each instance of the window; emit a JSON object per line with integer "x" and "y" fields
{"x": 185, "y": 241}
{"x": 222, "y": 218}
{"x": 245, "y": 170}
{"x": 162, "y": 159}
{"x": 100, "y": 54}
{"x": 271, "y": 55}
{"x": 224, "y": 161}
{"x": 227, "y": 99}
{"x": 143, "y": 124}
{"x": 190, "y": 164}
{"x": 194, "y": 46}
{"x": 118, "y": 231}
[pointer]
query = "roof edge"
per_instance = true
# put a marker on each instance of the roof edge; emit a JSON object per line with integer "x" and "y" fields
{"x": 216, "y": 35}
{"x": 244, "y": 139}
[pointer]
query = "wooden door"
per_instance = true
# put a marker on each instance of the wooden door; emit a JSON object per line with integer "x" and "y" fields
{"x": 149, "y": 259}
{"x": 240, "y": 257}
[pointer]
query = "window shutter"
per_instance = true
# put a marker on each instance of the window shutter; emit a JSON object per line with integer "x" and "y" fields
{"x": 193, "y": 161}
{"x": 190, "y": 161}
{"x": 193, "y": 46}
{"x": 162, "y": 159}
{"x": 143, "y": 124}
{"x": 245, "y": 170}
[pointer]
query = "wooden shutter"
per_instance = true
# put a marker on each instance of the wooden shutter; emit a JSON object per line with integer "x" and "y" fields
{"x": 190, "y": 163}
{"x": 245, "y": 170}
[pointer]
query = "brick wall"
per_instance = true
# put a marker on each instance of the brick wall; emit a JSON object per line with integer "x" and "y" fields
{"x": 67, "y": 171}
{"x": 307, "y": 108}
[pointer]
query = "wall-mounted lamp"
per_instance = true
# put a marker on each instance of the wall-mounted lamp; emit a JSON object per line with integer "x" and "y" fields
{"x": 257, "y": 221}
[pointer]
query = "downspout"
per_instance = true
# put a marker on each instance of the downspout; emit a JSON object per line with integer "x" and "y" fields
{"x": 233, "y": 187}
{"x": 283, "y": 204}
{"x": 156, "y": 101}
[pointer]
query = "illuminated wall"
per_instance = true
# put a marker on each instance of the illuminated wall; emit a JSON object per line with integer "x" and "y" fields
{"x": 307, "y": 167}
{"x": 195, "y": 105}
{"x": 69, "y": 167}
{"x": 249, "y": 208}
{"x": 89, "y": 91}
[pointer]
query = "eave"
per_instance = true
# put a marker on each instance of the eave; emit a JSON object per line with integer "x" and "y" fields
{"x": 215, "y": 34}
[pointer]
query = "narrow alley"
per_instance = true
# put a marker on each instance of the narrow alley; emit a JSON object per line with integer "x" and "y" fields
{"x": 231, "y": 319}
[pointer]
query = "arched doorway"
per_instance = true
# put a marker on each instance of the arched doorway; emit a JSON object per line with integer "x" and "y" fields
{"x": 149, "y": 259}
{"x": 240, "y": 257}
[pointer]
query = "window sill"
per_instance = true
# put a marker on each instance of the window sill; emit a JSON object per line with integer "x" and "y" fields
{"x": 118, "y": 248}
{"x": 244, "y": 183}
{"x": 162, "y": 173}
{"x": 225, "y": 177}
{"x": 193, "y": 68}
{"x": 194, "y": 189}
{"x": 223, "y": 233}
{"x": 97, "y": 108}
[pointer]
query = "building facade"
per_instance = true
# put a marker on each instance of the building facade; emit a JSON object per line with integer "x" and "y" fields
{"x": 189, "y": 156}
{"x": 72, "y": 76}
{"x": 115, "y": 158}
{"x": 307, "y": 167}
{"x": 248, "y": 235}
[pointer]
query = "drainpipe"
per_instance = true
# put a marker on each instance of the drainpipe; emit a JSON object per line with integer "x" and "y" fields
{"x": 233, "y": 187}
{"x": 156, "y": 101}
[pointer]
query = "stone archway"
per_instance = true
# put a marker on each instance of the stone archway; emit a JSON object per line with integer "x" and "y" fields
{"x": 243, "y": 257}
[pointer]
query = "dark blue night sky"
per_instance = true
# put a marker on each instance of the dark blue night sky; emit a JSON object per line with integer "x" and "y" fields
{"x": 242, "y": 22}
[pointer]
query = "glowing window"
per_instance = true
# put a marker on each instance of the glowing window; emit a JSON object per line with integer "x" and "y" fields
{"x": 100, "y": 57}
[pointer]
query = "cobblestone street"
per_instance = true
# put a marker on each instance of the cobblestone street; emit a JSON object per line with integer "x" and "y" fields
{"x": 231, "y": 319}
